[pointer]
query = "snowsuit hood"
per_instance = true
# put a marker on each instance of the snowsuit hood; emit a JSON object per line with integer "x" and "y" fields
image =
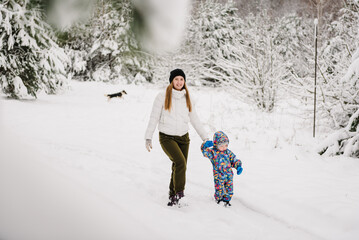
{"x": 219, "y": 137}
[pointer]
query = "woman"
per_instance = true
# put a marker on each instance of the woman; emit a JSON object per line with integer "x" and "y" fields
{"x": 172, "y": 110}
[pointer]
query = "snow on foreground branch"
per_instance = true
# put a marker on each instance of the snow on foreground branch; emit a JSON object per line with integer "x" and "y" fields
{"x": 161, "y": 23}
{"x": 344, "y": 141}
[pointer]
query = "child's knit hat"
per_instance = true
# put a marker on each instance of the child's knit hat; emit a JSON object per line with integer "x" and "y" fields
{"x": 220, "y": 138}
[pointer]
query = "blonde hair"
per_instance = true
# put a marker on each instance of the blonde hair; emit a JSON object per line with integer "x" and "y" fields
{"x": 168, "y": 99}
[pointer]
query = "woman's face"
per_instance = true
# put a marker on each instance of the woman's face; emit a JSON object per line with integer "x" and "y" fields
{"x": 178, "y": 83}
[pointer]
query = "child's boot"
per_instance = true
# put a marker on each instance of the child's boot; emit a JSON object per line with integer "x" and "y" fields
{"x": 227, "y": 204}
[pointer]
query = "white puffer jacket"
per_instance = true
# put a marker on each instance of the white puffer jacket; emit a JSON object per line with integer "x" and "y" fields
{"x": 174, "y": 122}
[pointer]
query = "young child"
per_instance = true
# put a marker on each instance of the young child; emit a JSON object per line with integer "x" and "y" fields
{"x": 223, "y": 160}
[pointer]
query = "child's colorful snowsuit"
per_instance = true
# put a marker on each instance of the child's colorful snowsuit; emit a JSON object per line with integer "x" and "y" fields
{"x": 222, "y": 162}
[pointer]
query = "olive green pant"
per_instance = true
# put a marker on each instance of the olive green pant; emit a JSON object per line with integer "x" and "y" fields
{"x": 176, "y": 148}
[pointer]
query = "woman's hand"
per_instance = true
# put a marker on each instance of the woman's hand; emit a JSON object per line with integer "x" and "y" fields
{"x": 148, "y": 144}
{"x": 205, "y": 140}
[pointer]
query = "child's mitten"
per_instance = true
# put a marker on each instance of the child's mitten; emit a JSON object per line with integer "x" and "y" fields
{"x": 239, "y": 170}
{"x": 208, "y": 144}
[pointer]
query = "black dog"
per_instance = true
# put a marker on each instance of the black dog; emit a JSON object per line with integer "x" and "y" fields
{"x": 117, "y": 95}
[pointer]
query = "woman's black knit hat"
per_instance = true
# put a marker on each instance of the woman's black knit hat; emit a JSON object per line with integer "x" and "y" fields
{"x": 175, "y": 73}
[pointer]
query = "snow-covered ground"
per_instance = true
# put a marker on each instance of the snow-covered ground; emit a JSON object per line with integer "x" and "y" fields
{"x": 74, "y": 166}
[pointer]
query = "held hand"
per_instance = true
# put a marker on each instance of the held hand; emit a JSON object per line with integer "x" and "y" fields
{"x": 205, "y": 140}
{"x": 208, "y": 144}
{"x": 239, "y": 170}
{"x": 148, "y": 144}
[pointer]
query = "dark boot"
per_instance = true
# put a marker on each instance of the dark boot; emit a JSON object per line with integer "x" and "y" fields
{"x": 173, "y": 200}
{"x": 180, "y": 195}
{"x": 227, "y": 204}
{"x": 181, "y": 201}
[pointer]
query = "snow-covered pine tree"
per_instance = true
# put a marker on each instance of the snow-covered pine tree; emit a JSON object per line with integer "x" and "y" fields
{"x": 30, "y": 60}
{"x": 339, "y": 97}
{"x": 334, "y": 53}
{"x": 105, "y": 48}
{"x": 211, "y": 36}
{"x": 293, "y": 38}
{"x": 343, "y": 95}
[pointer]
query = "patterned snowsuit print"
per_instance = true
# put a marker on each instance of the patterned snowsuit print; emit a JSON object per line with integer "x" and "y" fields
{"x": 222, "y": 162}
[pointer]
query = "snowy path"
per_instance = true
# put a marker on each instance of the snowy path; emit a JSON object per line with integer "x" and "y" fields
{"x": 92, "y": 151}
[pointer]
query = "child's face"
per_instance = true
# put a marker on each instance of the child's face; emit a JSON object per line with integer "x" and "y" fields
{"x": 223, "y": 147}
